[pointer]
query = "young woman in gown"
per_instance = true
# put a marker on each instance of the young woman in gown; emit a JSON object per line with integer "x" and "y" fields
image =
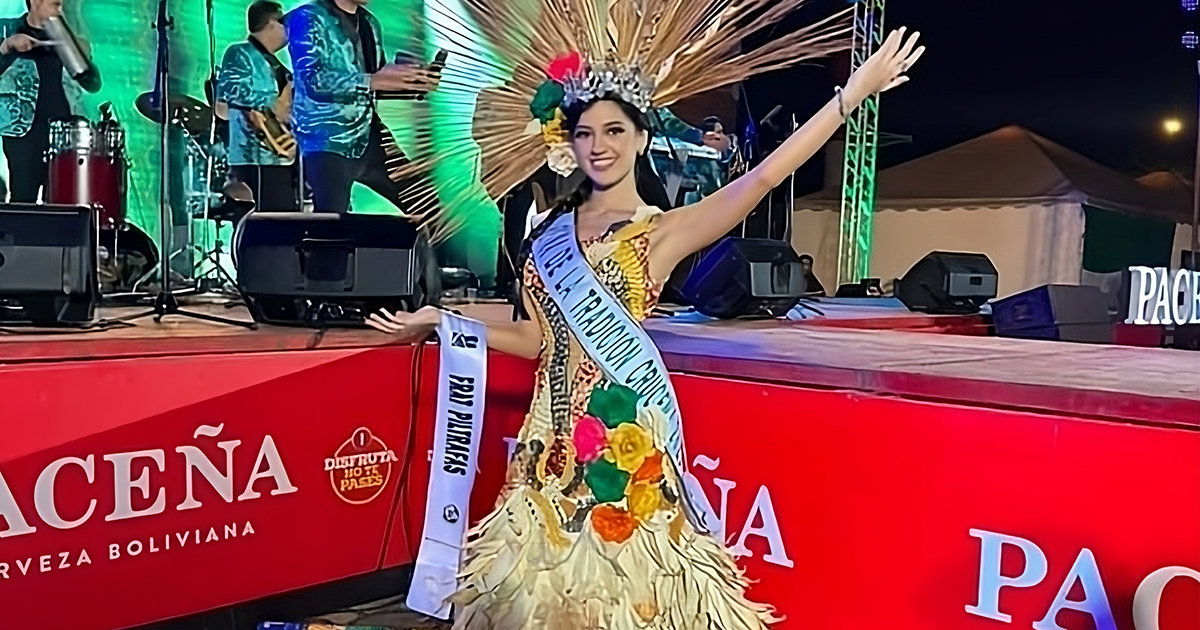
{"x": 590, "y": 530}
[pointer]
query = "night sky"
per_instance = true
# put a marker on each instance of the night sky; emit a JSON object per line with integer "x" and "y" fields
{"x": 1098, "y": 77}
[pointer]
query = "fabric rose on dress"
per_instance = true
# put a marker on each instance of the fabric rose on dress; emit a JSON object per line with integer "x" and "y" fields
{"x": 612, "y": 523}
{"x": 606, "y": 481}
{"x": 614, "y": 404}
{"x": 644, "y": 500}
{"x": 651, "y": 470}
{"x": 590, "y": 439}
{"x": 629, "y": 445}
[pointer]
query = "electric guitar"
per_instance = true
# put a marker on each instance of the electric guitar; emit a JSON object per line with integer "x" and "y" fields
{"x": 272, "y": 133}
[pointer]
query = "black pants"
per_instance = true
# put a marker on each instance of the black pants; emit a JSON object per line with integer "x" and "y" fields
{"x": 275, "y": 188}
{"x": 27, "y": 170}
{"x": 330, "y": 176}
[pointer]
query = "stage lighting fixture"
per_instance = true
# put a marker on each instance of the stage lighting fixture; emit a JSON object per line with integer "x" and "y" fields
{"x": 1190, "y": 40}
{"x": 1190, "y": 5}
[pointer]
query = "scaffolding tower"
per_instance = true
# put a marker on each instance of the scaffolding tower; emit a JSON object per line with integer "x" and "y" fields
{"x": 862, "y": 145}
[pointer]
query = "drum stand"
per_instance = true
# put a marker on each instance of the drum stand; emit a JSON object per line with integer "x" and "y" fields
{"x": 165, "y": 303}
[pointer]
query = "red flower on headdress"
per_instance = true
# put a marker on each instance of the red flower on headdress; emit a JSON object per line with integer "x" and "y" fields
{"x": 570, "y": 64}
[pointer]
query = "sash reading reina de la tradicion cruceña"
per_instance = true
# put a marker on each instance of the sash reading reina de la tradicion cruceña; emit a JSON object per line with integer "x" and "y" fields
{"x": 616, "y": 343}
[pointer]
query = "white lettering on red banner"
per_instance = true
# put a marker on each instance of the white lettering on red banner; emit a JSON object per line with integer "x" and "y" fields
{"x": 1085, "y": 572}
{"x": 132, "y": 488}
{"x": 1161, "y": 297}
{"x": 762, "y": 510}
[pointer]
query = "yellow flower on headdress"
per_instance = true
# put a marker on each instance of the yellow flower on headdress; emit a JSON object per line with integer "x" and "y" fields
{"x": 629, "y": 444}
{"x": 553, "y": 132}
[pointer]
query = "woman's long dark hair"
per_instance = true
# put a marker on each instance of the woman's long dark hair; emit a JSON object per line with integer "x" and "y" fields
{"x": 641, "y": 121}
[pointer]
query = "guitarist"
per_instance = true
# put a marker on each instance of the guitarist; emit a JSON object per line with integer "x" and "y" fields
{"x": 337, "y": 50}
{"x": 258, "y": 90}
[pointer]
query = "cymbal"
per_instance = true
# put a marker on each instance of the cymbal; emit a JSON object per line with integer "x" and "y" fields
{"x": 192, "y": 114}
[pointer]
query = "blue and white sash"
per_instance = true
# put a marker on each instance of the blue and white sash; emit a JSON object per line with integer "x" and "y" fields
{"x": 462, "y": 379}
{"x": 614, "y": 341}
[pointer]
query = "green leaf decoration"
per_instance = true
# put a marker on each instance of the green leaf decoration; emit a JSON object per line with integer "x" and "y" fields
{"x": 613, "y": 404}
{"x": 606, "y": 481}
{"x": 548, "y": 97}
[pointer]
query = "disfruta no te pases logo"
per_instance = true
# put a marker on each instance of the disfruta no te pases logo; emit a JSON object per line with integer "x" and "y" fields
{"x": 361, "y": 467}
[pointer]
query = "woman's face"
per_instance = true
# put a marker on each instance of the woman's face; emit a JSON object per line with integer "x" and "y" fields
{"x": 606, "y": 144}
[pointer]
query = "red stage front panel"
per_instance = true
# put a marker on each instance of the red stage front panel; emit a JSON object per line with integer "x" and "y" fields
{"x": 850, "y": 511}
{"x": 98, "y": 528}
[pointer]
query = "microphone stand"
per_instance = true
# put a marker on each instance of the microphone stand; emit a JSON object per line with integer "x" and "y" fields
{"x": 165, "y": 302}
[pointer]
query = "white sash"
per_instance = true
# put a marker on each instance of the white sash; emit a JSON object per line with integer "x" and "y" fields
{"x": 618, "y": 344}
{"x": 462, "y": 380}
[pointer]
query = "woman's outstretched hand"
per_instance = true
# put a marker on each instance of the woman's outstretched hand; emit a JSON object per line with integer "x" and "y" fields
{"x": 407, "y": 325}
{"x": 886, "y": 68}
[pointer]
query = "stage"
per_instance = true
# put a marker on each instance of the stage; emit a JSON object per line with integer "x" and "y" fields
{"x": 870, "y": 474}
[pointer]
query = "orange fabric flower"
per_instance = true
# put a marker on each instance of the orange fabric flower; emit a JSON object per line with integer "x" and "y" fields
{"x": 644, "y": 501}
{"x": 612, "y": 524}
{"x": 651, "y": 470}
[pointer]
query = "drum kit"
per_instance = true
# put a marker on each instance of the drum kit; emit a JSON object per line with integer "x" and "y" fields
{"x": 89, "y": 165}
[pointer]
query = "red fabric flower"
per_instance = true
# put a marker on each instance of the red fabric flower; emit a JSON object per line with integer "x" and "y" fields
{"x": 564, "y": 66}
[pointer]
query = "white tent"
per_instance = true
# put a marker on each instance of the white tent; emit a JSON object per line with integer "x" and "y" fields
{"x": 1010, "y": 194}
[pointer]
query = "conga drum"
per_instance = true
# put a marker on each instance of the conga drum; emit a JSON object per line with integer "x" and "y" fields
{"x": 87, "y": 167}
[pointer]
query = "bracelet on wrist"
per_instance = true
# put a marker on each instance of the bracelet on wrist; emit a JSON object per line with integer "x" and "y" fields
{"x": 841, "y": 100}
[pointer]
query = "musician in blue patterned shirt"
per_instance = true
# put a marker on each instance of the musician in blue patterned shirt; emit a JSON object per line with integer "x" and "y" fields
{"x": 255, "y": 86}
{"x": 34, "y": 90}
{"x": 337, "y": 52}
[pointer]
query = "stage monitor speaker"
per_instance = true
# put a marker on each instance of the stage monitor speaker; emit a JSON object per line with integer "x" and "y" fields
{"x": 948, "y": 283}
{"x": 47, "y": 264}
{"x": 746, "y": 277}
{"x": 315, "y": 269}
{"x": 1055, "y": 311}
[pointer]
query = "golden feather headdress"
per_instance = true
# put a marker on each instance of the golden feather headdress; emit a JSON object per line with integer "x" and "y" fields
{"x": 547, "y": 54}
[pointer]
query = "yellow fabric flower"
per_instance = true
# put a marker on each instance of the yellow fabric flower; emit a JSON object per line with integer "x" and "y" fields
{"x": 629, "y": 445}
{"x": 644, "y": 500}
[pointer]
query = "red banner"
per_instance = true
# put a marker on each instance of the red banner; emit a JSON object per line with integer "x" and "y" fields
{"x": 145, "y": 489}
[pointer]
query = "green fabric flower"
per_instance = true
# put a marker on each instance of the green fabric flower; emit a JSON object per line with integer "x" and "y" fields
{"x": 614, "y": 404}
{"x": 547, "y": 99}
{"x": 606, "y": 481}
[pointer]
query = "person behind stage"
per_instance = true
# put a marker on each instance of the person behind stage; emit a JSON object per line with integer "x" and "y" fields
{"x": 707, "y": 173}
{"x": 253, "y": 83}
{"x": 34, "y": 90}
{"x": 596, "y": 526}
{"x": 813, "y": 286}
{"x": 337, "y": 52}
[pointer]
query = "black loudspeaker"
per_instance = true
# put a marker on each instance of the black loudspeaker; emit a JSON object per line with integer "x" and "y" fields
{"x": 315, "y": 269}
{"x": 948, "y": 283}
{"x": 1055, "y": 311}
{"x": 47, "y": 264}
{"x": 746, "y": 277}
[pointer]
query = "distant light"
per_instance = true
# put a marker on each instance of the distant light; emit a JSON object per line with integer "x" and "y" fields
{"x": 1172, "y": 126}
{"x": 1191, "y": 40}
{"x": 1190, "y": 5}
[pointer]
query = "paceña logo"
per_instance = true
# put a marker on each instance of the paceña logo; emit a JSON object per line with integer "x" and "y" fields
{"x": 459, "y": 340}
